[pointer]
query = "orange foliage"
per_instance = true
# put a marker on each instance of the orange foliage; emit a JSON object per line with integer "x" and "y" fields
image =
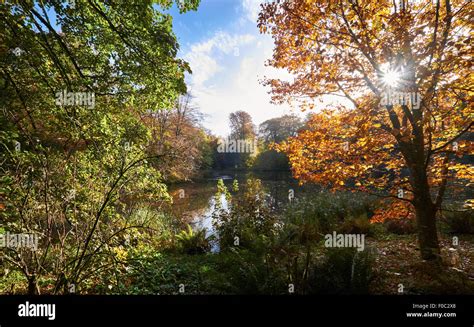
{"x": 394, "y": 210}
{"x": 345, "y": 49}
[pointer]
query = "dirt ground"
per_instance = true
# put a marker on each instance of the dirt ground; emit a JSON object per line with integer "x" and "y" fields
{"x": 399, "y": 268}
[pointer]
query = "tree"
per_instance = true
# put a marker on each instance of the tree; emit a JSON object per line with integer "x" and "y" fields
{"x": 280, "y": 128}
{"x": 177, "y": 135}
{"x": 361, "y": 51}
{"x": 73, "y": 91}
{"x": 241, "y": 125}
{"x": 272, "y": 131}
{"x": 242, "y": 131}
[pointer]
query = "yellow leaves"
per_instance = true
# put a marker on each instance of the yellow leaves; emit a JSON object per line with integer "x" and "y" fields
{"x": 469, "y": 204}
{"x": 463, "y": 171}
{"x": 362, "y": 142}
{"x": 120, "y": 252}
{"x": 458, "y": 167}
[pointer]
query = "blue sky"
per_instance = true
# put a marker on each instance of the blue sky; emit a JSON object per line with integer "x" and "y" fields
{"x": 227, "y": 53}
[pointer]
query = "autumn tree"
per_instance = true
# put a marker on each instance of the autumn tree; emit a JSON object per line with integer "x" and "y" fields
{"x": 242, "y": 129}
{"x": 180, "y": 140}
{"x": 405, "y": 147}
{"x": 241, "y": 125}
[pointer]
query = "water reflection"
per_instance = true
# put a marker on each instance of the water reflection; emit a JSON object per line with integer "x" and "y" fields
{"x": 195, "y": 201}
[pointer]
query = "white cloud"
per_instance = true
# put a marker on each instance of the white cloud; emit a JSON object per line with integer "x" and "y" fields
{"x": 251, "y": 9}
{"x": 227, "y": 83}
{"x": 203, "y": 67}
{"x": 202, "y": 56}
{"x": 227, "y": 69}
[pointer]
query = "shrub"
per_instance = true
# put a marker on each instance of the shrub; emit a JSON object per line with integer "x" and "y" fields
{"x": 315, "y": 215}
{"x": 160, "y": 228}
{"x": 400, "y": 226}
{"x": 247, "y": 220}
{"x": 359, "y": 225}
{"x": 299, "y": 233}
{"x": 460, "y": 222}
{"x": 251, "y": 271}
{"x": 344, "y": 270}
{"x": 193, "y": 242}
{"x": 165, "y": 273}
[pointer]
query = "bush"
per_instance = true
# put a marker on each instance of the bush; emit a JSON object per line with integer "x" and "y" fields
{"x": 460, "y": 222}
{"x": 315, "y": 215}
{"x": 359, "y": 225}
{"x": 248, "y": 219}
{"x": 343, "y": 271}
{"x": 400, "y": 226}
{"x": 164, "y": 274}
{"x": 160, "y": 228}
{"x": 193, "y": 242}
{"x": 251, "y": 272}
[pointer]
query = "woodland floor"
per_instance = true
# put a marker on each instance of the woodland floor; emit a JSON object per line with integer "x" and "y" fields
{"x": 398, "y": 262}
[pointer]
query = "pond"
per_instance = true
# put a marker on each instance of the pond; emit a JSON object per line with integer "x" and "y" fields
{"x": 195, "y": 201}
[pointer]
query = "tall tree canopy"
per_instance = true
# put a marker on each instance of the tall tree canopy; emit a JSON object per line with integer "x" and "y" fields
{"x": 280, "y": 128}
{"x": 76, "y": 79}
{"x": 361, "y": 50}
{"x": 241, "y": 125}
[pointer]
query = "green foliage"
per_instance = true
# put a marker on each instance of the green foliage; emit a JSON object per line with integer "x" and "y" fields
{"x": 279, "y": 129}
{"x": 360, "y": 225}
{"x": 151, "y": 272}
{"x": 206, "y": 149}
{"x": 222, "y": 190}
{"x": 235, "y": 185}
{"x": 12, "y": 282}
{"x": 343, "y": 271}
{"x": 159, "y": 228}
{"x": 251, "y": 271}
{"x": 193, "y": 242}
{"x": 270, "y": 160}
{"x": 79, "y": 167}
{"x": 247, "y": 219}
{"x": 312, "y": 216}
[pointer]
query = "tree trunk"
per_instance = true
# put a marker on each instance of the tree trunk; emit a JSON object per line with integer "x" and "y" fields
{"x": 32, "y": 285}
{"x": 425, "y": 211}
{"x": 427, "y": 232}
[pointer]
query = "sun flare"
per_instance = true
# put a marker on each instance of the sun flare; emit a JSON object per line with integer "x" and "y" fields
{"x": 391, "y": 78}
